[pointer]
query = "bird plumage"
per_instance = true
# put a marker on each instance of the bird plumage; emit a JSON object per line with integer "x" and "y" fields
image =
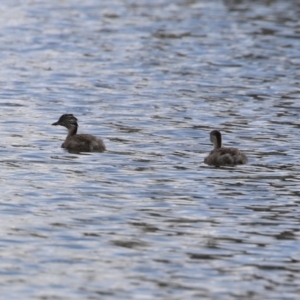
{"x": 221, "y": 156}
{"x": 78, "y": 142}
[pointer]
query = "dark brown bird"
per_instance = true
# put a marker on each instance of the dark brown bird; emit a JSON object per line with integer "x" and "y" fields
{"x": 78, "y": 142}
{"x": 220, "y": 156}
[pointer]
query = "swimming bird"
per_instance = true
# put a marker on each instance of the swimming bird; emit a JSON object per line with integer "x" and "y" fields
{"x": 78, "y": 142}
{"x": 220, "y": 156}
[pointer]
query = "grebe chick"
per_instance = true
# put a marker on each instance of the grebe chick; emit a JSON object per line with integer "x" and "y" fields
{"x": 223, "y": 156}
{"x": 78, "y": 142}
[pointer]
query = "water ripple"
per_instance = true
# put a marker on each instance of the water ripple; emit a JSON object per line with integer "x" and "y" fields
{"x": 147, "y": 218}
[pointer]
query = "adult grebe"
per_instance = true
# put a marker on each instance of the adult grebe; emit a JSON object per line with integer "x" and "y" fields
{"x": 223, "y": 156}
{"x": 78, "y": 142}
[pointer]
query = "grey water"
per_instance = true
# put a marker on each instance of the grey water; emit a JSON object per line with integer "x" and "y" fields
{"x": 147, "y": 219}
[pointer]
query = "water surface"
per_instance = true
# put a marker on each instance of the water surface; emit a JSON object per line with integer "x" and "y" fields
{"x": 148, "y": 219}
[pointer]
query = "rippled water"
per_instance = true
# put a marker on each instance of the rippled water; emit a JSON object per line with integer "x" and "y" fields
{"x": 148, "y": 219}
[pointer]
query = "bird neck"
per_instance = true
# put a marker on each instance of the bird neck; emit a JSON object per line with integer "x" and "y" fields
{"x": 72, "y": 130}
{"x": 217, "y": 143}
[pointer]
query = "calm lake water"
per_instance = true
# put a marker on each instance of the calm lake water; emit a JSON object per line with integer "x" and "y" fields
{"x": 148, "y": 219}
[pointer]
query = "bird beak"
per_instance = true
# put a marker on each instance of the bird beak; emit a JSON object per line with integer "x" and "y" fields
{"x": 56, "y": 123}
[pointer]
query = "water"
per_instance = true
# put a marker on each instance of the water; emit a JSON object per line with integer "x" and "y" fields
{"x": 147, "y": 219}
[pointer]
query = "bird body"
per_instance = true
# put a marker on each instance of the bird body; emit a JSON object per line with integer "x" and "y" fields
{"x": 221, "y": 156}
{"x": 78, "y": 142}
